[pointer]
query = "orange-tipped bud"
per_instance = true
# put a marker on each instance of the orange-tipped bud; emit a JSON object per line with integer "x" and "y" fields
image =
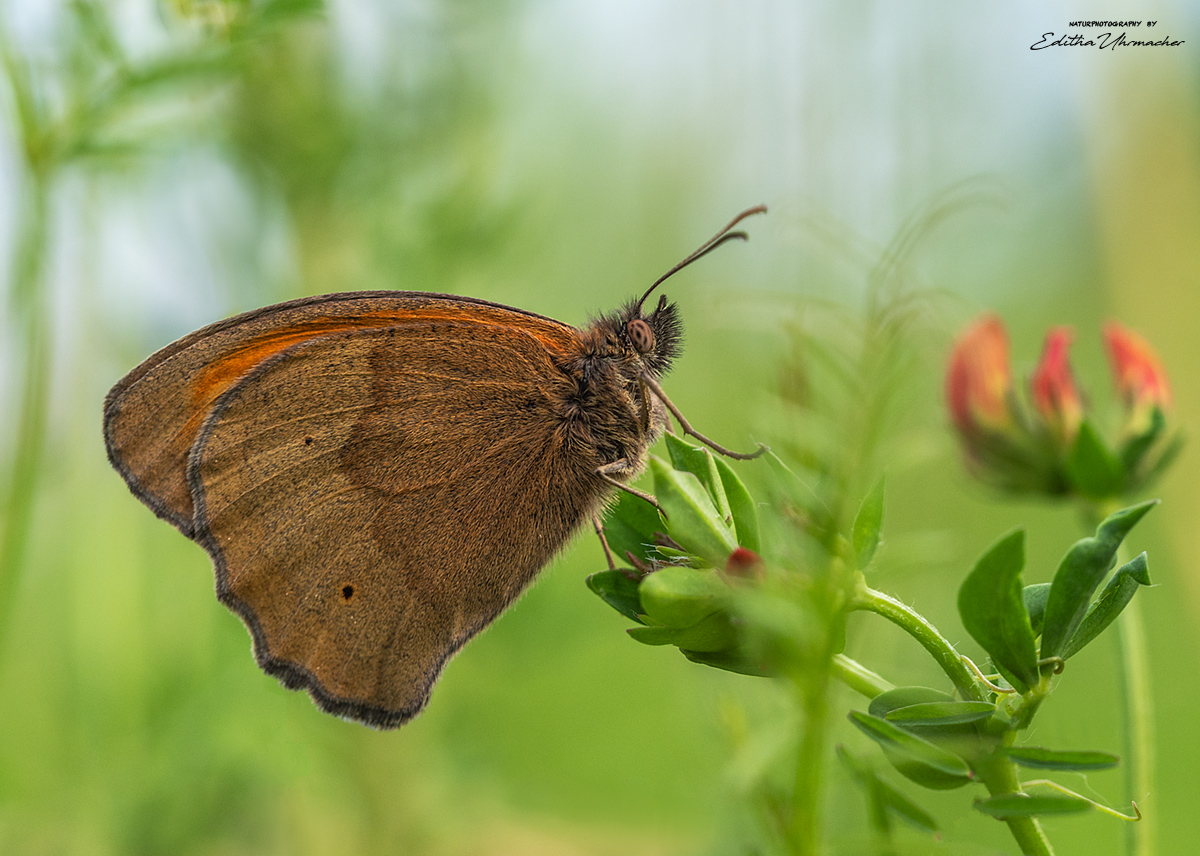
{"x": 979, "y": 380}
{"x": 1053, "y": 389}
{"x": 1138, "y": 375}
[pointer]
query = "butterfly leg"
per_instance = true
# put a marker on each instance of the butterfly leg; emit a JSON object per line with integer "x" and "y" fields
{"x": 612, "y": 566}
{"x": 688, "y": 429}
{"x": 621, "y": 466}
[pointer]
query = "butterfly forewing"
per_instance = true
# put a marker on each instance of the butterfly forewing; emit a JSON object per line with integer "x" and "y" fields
{"x": 153, "y": 415}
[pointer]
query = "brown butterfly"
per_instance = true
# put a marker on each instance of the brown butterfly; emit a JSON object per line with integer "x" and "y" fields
{"x": 378, "y": 475}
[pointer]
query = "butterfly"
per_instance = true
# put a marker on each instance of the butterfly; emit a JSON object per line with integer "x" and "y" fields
{"x": 378, "y": 475}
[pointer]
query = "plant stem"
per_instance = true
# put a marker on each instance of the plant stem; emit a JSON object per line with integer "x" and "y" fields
{"x": 1138, "y": 724}
{"x": 999, "y": 776}
{"x": 858, "y": 677}
{"x": 918, "y": 627}
{"x": 810, "y": 766}
{"x": 30, "y": 310}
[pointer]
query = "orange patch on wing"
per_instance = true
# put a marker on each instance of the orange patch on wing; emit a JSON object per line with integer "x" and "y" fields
{"x": 224, "y": 371}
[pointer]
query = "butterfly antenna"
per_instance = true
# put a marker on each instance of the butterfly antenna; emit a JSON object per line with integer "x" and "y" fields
{"x": 707, "y": 247}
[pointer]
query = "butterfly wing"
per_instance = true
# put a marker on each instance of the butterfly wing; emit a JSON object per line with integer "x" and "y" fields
{"x": 373, "y": 498}
{"x": 153, "y": 416}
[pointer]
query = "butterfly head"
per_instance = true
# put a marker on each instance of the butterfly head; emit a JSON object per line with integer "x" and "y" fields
{"x": 654, "y": 337}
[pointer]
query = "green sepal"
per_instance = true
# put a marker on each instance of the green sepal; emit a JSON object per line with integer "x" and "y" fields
{"x": 1091, "y": 467}
{"x": 692, "y": 520}
{"x": 742, "y": 507}
{"x": 714, "y": 633}
{"x": 1081, "y": 570}
{"x": 699, "y": 462}
{"x": 1116, "y": 596}
{"x": 630, "y": 525}
{"x": 1053, "y": 759}
{"x": 680, "y": 597}
{"x": 1134, "y": 449}
{"x": 1024, "y": 805}
{"x": 993, "y": 611}
{"x": 1034, "y": 597}
{"x": 868, "y": 523}
{"x": 619, "y": 589}
{"x": 913, "y": 757}
{"x": 730, "y": 660}
{"x": 937, "y": 713}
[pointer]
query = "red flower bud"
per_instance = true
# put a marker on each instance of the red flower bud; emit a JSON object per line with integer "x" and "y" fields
{"x": 1138, "y": 376}
{"x": 979, "y": 380}
{"x": 1053, "y": 390}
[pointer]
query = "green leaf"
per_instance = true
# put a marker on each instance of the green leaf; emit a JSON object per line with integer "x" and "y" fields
{"x": 1082, "y": 569}
{"x": 1034, "y": 597}
{"x": 919, "y": 760}
{"x": 700, "y": 463}
{"x": 993, "y": 612}
{"x": 865, "y": 534}
{"x": 1053, "y": 759}
{"x": 618, "y": 590}
{"x": 741, "y": 506}
{"x": 680, "y": 597}
{"x": 1115, "y": 597}
{"x": 730, "y": 660}
{"x": 886, "y": 702}
{"x": 941, "y": 713}
{"x": 692, "y": 520}
{"x": 714, "y": 633}
{"x": 630, "y": 525}
{"x": 883, "y": 799}
{"x": 1091, "y": 467}
{"x": 1025, "y": 805}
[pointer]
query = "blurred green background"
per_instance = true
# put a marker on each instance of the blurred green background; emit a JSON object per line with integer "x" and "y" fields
{"x": 166, "y": 164}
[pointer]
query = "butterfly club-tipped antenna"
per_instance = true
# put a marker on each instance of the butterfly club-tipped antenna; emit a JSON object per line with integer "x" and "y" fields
{"x": 726, "y": 234}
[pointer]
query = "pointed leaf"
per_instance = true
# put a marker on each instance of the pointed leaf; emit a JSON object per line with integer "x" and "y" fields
{"x": 1034, "y": 597}
{"x": 742, "y": 507}
{"x": 680, "y": 597}
{"x": 1025, "y": 805}
{"x": 993, "y": 612}
{"x": 620, "y": 591}
{"x": 1115, "y": 597}
{"x": 700, "y": 463}
{"x": 1052, "y": 759}
{"x": 941, "y": 713}
{"x": 868, "y": 523}
{"x": 714, "y": 633}
{"x": 1091, "y": 467}
{"x": 692, "y": 520}
{"x": 1082, "y": 569}
{"x": 919, "y": 760}
{"x": 630, "y": 525}
{"x": 730, "y": 660}
{"x": 882, "y": 798}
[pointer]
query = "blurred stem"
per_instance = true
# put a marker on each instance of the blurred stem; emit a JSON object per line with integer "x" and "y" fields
{"x": 999, "y": 776}
{"x": 1138, "y": 723}
{"x": 810, "y": 766}
{"x": 30, "y": 313}
{"x": 858, "y": 677}
{"x": 1137, "y": 716}
{"x": 918, "y": 627}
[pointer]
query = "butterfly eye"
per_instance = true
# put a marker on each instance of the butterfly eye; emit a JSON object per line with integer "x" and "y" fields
{"x": 641, "y": 335}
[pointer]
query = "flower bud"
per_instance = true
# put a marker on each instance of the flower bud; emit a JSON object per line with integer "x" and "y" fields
{"x": 1138, "y": 376}
{"x": 979, "y": 381}
{"x": 1052, "y": 389}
